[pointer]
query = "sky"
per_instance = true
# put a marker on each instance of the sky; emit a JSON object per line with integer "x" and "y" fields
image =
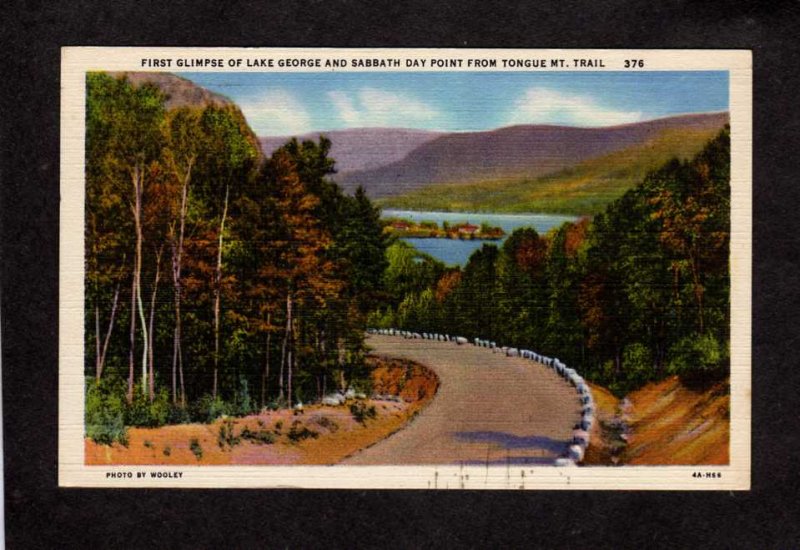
{"x": 283, "y": 104}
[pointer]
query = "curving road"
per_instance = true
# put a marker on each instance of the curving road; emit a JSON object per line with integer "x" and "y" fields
{"x": 490, "y": 409}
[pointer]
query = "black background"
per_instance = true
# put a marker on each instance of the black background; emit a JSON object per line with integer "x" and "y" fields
{"x": 40, "y": 515}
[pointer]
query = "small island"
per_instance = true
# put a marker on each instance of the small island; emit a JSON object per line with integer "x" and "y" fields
{"x": 401, "y": 227}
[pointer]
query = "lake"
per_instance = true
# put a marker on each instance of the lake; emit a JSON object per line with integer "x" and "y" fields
{"x": 457, "y": 252}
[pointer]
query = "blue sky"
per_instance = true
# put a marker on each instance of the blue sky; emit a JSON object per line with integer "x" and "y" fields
{"x": 280, "y": 104}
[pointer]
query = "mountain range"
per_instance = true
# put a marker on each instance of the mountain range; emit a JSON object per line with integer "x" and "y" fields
{"x": 363, "y": 149}
{"x": 390, "y": 162}
{"x": 510, "y": 153}
{"x": 514, "y": 168}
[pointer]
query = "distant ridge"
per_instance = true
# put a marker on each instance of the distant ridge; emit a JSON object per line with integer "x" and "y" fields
{"x": 582, "y": 189}
{"x": 509, "y": 153}
{"x": 361, "y": 149}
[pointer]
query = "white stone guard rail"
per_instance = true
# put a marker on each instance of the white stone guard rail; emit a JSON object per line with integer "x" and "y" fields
{"x": 582, "y": 430}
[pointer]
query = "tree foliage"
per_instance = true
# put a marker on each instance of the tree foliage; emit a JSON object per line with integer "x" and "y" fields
{"x": 637, "y": 293}
{"x": 214, "y": 269}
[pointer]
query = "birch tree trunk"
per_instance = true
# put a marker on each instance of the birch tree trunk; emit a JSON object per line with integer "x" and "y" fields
{"x": 102, "y": 357}
{"x": 281, "y": 395}
{"x": 290, "y": 338}
{"x": 177, "y": 351}
{"x": 176, "y": 333}
{"x": 131, "y": 360}
{"x": 137, "y": 209}
{"x": 151, "y": 387}
{"x": 180, "y": 372}
{"x": 138, "y": 272}
{"x": 698, "y": 288}
{"x": 177, "y": 267}
{"x": 218, "y": 291}
{"x": 97, "y": 369}
{"x": 265, "y": 374}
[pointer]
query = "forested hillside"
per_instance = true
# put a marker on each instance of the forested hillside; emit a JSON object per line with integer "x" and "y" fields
{"x": 217, "y": 281}
{"x": 639, "y": 292}
{"x": 582, "y": 189}
{"x": 514, "y": 154}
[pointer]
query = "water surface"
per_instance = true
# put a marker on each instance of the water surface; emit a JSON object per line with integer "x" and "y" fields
{"x": 457, "y": 252}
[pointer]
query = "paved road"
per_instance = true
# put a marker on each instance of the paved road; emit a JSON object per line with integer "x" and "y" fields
{"x": 489, "y": 409}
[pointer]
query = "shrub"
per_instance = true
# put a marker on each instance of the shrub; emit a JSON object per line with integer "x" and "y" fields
{"x": 298, "y": 432}
{"x": 361, "y": 380}
{"x": 244, "y": 403}
{"x": 259, "y": 437}
{"x": 637, "y": 365}
{"x": 226, "y": 435}
{"x": 197, "y": 450}
{"x": 178, "y": 415}
{"x": 138, "y": 412}
{"x": 207, "y": 409}
{"x": 380, "y": 318}
{"x": 607, "y": 376}
{"x": 361, "y": 412}
{"x": 326, "y": 423}
{"x": 698, "y": 359}
{"x": 167, "y": 450}
{"x": 104, "y": 415}
{"x": 146, "y": 414}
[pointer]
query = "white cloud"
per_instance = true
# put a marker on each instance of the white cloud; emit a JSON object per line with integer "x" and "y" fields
{"x": 546, "y": 106}
{"x": 374, "y": 107}
{"x": 345, "y": 107}
{"x": 276, "y": 113}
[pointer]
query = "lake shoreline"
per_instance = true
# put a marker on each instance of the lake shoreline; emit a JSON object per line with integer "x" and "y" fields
{"x": 394, "y": 211}
{"x": 447, "y": 237}
{"x": 456, "y": 251}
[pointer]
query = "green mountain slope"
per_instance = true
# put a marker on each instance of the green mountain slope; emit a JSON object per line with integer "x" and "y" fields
{"x": 585, "y": 188}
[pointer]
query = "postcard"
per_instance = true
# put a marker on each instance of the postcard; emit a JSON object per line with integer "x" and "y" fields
{"x": 405, "y": 268}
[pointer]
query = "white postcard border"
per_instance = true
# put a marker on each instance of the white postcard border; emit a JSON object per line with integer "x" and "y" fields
{"x": 72, "y": 472}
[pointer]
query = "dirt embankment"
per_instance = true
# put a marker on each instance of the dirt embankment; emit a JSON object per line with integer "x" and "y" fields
{"x": 663, "y": 423}
{"x": 319, "y": 435}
